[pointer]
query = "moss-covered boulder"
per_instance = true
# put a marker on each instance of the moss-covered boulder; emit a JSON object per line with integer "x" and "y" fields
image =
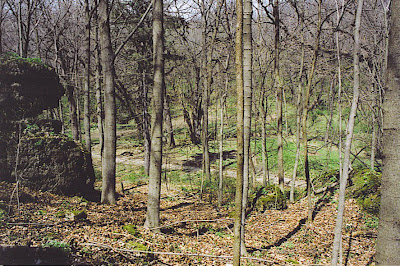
{"x": 366, "y": 189}
{"x": 27, "y": 87}
{"x": 271, "y": 198}
{"x": 56, "y": 164}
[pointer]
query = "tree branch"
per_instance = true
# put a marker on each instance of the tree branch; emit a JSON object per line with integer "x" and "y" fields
{"x": 133, "y": 31}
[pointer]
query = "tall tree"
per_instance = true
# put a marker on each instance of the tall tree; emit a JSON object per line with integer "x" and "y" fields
{"x": 306, "y": 109}
{"x": 239, "y": 133}
{"x": 2, "y": 17}
{"x": 86, "y": 97}
{"x": 98, "y": 78}
{"x": 279, "y": 94}
{"x": 110, "y": 136}
{"x": 350, "y": 128}
{"x": 24, "y": 11}
{"x": 388, "y": 242}
{"x": 153, "y": 204}
{"x": 247, "y": 103}
{"x": 206, "y": 90}
{"x": 298, "y": 105}
{"x": 207, "y": 53}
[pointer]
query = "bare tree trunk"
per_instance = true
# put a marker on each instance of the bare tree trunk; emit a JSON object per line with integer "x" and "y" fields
{"x": 350, "y": 128}
{"x": 206, "y": 93}
{"x": 247, "y": 94}
{"x": 146, "y": 127}
{"x": 110, "y": 137}
{"x": 221, "y": 148}
{"x": 337, "y": 36}
{"x": 331, "y": 105}
{"x": 221, "y": 135}
{"x": 2, "y": 4}
{"x": 298, "y": 114}
{"x": 168, "y": 121}
{"x": 60, "y": 110}
{"x": 20, "y": 34}
{"x": 77, "y": 88}
{"x": 153, "y": 205}
{"x": 240, "y": 147}
{"x": 279, "y": 95}
{"x": 306, "y": 108}
{"x": 264, "y": 104}
{"x": 72, "y": 113}
{"x": 388, "y": 244}
{"x": 374, "y": 139}
{"x": 99, "y": 98}
{"x": 207, "y": 53}
{"x": 86, "y": 121}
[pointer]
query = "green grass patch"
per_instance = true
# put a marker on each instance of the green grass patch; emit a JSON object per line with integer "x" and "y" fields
{"x": 130, "y": 173}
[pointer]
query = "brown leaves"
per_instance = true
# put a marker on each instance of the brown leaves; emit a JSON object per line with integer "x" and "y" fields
{"x": 193, "y": 228}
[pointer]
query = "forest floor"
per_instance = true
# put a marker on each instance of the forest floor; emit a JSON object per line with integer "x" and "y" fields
{"x": 193, "y": 232}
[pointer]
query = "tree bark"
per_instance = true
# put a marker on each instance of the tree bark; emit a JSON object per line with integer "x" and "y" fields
{"x": 110, "y": 136}
{"x": 20, "y": 26}
{"x": 2, "y": 4}
{"x": 306, "y": 109}
{"x": 86, "y": 121}
{"x": 146, "y": 126}
{"x": 388, "y": 242}
{"x": 73, "y": 112}
{"x": 298, "y": 113}
{"x": 350, "y": 128}
{"x": 240, "y": 147}
{"x": 221, "y": 133}
{"x": 247, "y": 94}
{"x": 264, "y": 105}
{"x": 279, "y": 95}
{"x": 206, "y": 93}
{"x": 153, "y": 205}
{"x": 168, "y": 122}
{"x": 98, "y": 78}
{"x": 221, "y": 151}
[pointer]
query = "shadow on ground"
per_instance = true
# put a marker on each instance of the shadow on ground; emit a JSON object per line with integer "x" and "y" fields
{"x": 196, "y": 160}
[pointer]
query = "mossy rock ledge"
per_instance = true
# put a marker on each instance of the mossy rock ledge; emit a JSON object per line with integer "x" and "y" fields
{"x": 27, "y": 87}
{"x": 56, "y": 164}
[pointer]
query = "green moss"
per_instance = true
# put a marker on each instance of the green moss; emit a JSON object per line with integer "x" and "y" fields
{"x": 366, "y": 189}
{"x": 131, "y": 229}
{"x": 137, "y": 246}
{"x": 77, "y": 215}
{"x": 326, "y": 178}
{"x": 57, "y": 244}
{"x": 271, "y": 198}
{"x": 292, "y": 261}
{"x": 60, "y": 214}
{"x": 2, "y": 214}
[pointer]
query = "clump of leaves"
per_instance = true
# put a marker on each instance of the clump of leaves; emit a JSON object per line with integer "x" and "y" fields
{"x": 371, "y": 221}
{"x": 366, "y": 190}
{"x": 57, "y": 244}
